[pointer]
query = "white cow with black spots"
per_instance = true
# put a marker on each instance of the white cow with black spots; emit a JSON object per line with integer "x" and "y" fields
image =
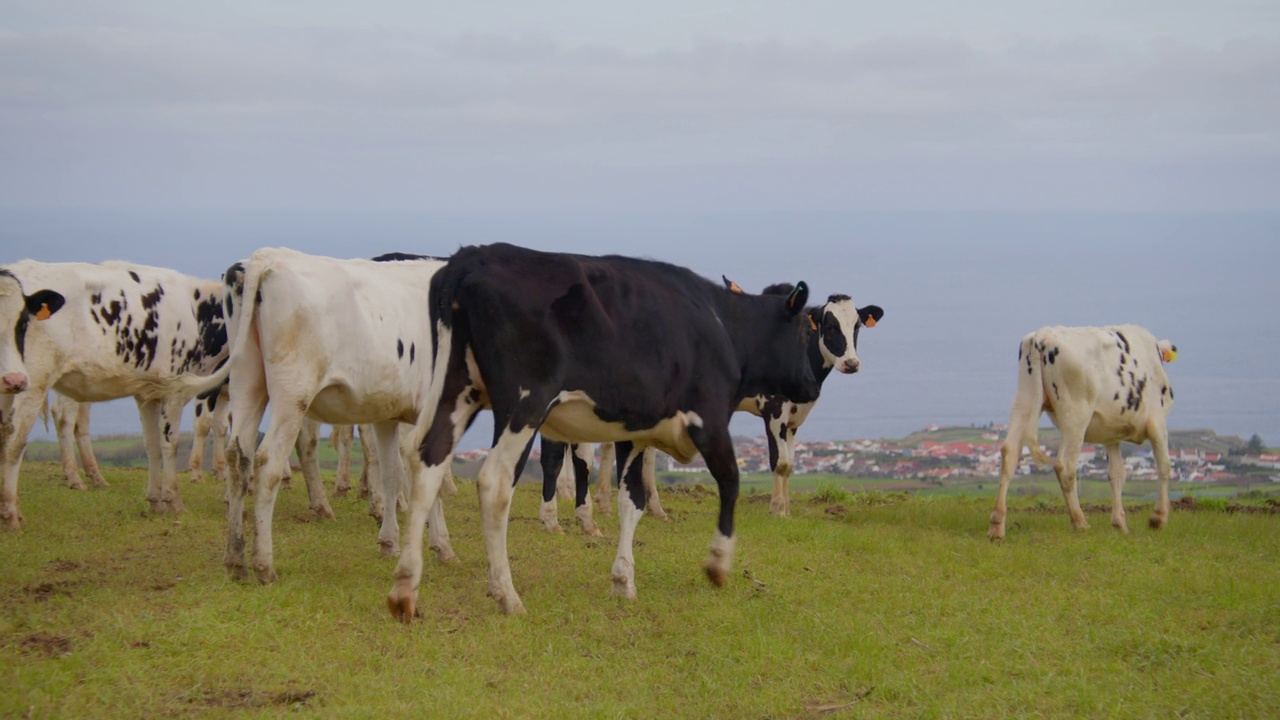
{"x": 329, "y": 340}
{"x": 116, "y": 330}
{"x": 1098, "y": 384}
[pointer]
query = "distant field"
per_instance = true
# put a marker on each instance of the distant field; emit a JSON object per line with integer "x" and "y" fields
{"x": 862, "y": 605}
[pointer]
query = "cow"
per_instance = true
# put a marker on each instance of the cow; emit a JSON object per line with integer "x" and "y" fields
{"x": 1098, "y": 384}
{"x": 120, "y": 330}
{"x": 321, "y": 339}
{"x": 833, "y": 347}
{"x": 17, "y": 310}
{"x": 212, "y": 414}
{"x": 591, "y": 349}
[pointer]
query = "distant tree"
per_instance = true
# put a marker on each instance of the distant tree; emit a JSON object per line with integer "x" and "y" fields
{"x": 1255, "y": 446}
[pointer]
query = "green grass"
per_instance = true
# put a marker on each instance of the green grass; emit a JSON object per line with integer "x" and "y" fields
{"x": 881, "y": 606}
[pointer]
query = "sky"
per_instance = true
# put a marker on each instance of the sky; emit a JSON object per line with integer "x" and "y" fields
{"x": 977, "y": 169}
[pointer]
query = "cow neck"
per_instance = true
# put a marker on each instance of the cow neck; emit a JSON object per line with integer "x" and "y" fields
{"x": 747, "y": 319}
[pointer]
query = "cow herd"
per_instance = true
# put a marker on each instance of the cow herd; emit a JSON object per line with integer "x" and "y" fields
{"x": 640, "y": 355}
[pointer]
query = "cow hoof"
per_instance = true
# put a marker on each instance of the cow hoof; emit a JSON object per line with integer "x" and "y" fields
{"x": 996, "y": 536}
{"x": 166, "y": 507}
{"x": 12, "y": 520}
{"x": 196, "y": 477}
{"x": 324, "y": 512}
{"x": 445, "y": 554}
{"x": 1156, "y": 523}
{"x": 623, "y": 587}
{"x": 266, "y": 574}
{"x": 511, "y": 606}
{"x": 660, "y": 514}
{"x": 593, "y": 531}
{"x": 403, "y": 605}
{"x": 237, "y": 571}
{"x": 76, "y": 484}
{"x": 387, "y": 548}
{"x": 99, "y": 482}
{"x": 716, "y": 573}
{"x": 340, "y": 492}
{"x": 1121, "y": 527}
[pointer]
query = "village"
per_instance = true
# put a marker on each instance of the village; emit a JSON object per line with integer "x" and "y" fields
{"x": 934, "y": 454}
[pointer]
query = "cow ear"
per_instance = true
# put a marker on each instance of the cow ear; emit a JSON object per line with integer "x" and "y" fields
{"x": 44, "y": 303}
{"x": 798, "y": 297}
{"x": 731, "y": 286}
{"x": 870, "y": 315}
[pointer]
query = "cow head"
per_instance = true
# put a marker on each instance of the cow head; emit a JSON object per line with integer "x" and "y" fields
{"x": 838, "y": 323}
{"x": 1168, "y": 351}
{"x": 16, "y": 311}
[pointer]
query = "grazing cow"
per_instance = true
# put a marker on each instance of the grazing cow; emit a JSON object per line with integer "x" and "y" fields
{"x": 336, "y": 341}
{"x": 123, "y": 330}
{"x": 591, "y": 349}
{"x": 833, "y": 347}
{"x": 1100, "y": 385}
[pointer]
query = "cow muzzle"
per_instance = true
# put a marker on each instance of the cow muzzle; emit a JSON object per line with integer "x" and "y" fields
{"x": 13, "y": 383}
{"x": 850, "y": 366}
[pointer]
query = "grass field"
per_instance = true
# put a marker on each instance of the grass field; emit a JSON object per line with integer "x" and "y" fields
{"x": 871, "y": 605}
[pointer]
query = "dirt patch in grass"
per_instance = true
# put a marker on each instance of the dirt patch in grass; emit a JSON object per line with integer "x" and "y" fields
{"x": 245, "y": 698}
{"x": 46, "y": 645}
{"x": 62, "y": 566}
{"x": 47, "y": 591}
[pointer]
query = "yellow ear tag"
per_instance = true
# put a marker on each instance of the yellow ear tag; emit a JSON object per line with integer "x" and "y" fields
{"x": 869, "y": 322}
{"x": 813, "y": 324}
{"x": 1169, "y": 355}
{"x": 43, "y": 313}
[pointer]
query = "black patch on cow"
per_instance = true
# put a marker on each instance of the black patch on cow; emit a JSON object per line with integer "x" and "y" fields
{"x": 832, "y": 334}
{"x": 1123, "y": 340}
{"x": 20, "y": 332}
{"x": 135, "y": 277}
{"x": 111, "y": 312}
{"x": 1171, "y": 393}
{"x": 1117, "y": 397}
{"x": 1053, "y": 355}
{"x": 257, "y": 296}
{"x": 399, "y": 348}
{"x": 94, "y": 314}
{"x": 402, "y": 257}
{"x": 412, "y": 351}
{"x": 152, "y": 298}
{"x": 1056, "y": 396}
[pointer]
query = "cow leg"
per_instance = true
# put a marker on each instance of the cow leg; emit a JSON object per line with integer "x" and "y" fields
{"x": 1159, "y": 436}
{"x": 552, "y": 461}
{"x": 17, "y": 415}
{"x": 149, "y": 414}
{"x": 221, "y": 418}
{"x": 780, "y": 461}
{"x": 631, "y": 504}
{"x": 202, "y": 426}
{"x": 437, "y": 529}
{"x": 651, "y": 485}
{"x": 369, "y": 471}
{"x": 307, "y": 447}
{"x": 1010, "y": 453}
{"x": 495, "y": 485}
{"x": 342, "y": 437}
{"x": 603, "y": 482}
{"x": 88, "y": 461}
{"x": 1065, "y": 467}
{"x": 64, "y": 411}
{"x": 435, "y": 441}
{"x": 716, "y": 447}
{"x": 170, "y": 421}
{"x": 390, "y": 478}
{"x": 270, "y": 462}
{"x": 583, "y": 454}
{"x": 1115, "y": 467}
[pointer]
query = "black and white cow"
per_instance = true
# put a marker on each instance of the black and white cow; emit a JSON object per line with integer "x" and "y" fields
{"x": 124, "y": 330}
{"x": 832, "y": 347}
{"x": 1098, "y": 384}
{"x": 586, "y": 349}
{"x": 71, "y": 425}
{"x": 328, "y": 340}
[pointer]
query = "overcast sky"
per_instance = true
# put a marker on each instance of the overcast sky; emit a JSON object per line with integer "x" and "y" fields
{"x": 668, "y": 104}
{"x": 979, "y": 169}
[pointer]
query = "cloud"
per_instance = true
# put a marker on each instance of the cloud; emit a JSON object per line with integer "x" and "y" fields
{"x": 392, "y": 107}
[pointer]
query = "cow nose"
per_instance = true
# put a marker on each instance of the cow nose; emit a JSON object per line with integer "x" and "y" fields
{"x": 14, "y": 382}
{"x": 849, "y": 367}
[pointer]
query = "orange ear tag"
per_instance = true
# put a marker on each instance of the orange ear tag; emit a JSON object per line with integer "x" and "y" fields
{"x": 43, "y": 313}
{"x": 733, "y": 288}
{"x": 813, "y": 324}
{"x": 1169, "y": 356}
{"x": 869, "y": 322}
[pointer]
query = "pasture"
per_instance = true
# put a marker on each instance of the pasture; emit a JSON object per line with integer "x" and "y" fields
{"x": 869, "y": 605}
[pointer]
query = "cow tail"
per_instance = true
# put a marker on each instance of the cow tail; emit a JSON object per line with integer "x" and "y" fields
{"x": 1028, "y": 403}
